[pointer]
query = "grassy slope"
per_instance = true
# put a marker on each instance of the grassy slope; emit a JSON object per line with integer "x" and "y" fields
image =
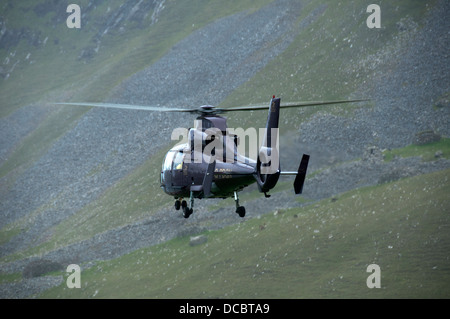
{"x": 54, "y": 71}
{"x": 131, "y": 195}
{"x": 427, "y": 151}
{"x": 324, "y": 61}
{"x": 262, "y": 83}
{"x": 313, "y": 77}
{"x": 55, "y": 67}
{"x": 57, "y": 74}
{"x": 321, "y": 251}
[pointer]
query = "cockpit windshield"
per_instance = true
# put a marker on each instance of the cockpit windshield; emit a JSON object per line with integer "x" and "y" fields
{"x": 173, "y": 160}
{"x": 167, "y": 166}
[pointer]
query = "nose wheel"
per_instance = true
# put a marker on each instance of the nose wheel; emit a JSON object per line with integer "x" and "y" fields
{"x": 180, "y": 203}
{"x": 240, "y": 210}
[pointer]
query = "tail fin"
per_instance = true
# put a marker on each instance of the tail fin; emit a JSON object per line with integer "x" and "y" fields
{"x": 268, "y": 162}
{"x": 301, "y": 174}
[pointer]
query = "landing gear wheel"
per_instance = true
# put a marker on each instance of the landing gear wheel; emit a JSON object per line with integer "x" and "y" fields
{"x": 240, "y": 211}
{"x": 177, "y": 205}
{"x": 183, "y": 204}
{"x": 187, "y": 212}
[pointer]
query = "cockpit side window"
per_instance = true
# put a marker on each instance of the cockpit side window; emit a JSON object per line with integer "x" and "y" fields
{"x": 178, "y": 161}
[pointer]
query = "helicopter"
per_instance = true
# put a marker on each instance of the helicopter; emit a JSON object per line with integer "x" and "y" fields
{"x": 208, "y": 163}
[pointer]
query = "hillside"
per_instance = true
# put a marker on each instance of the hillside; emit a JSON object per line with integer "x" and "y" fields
{"x": 81, "y": 185}
{"x": 318, "y": 252}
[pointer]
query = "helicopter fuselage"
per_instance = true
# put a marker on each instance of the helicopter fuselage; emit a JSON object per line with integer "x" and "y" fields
{"x": 180, "y": 176}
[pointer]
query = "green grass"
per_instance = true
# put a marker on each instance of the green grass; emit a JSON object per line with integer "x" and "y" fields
{"x": 426, "y": 151}
{"x": 9, "y": 278}
{"x": 321, "y": 251}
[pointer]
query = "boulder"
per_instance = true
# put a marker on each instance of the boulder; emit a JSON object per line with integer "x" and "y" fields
{"x": 198, "y": 240}
{"x": 426, "y": 137}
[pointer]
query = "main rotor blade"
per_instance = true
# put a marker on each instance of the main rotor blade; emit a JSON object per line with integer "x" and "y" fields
{"x": 206, "y": 109}
{"x": 288, "y": 105}
{"x": 131, "y": 107}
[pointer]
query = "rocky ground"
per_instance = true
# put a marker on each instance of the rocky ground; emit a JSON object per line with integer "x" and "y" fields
{"x": 219, "y": 58}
